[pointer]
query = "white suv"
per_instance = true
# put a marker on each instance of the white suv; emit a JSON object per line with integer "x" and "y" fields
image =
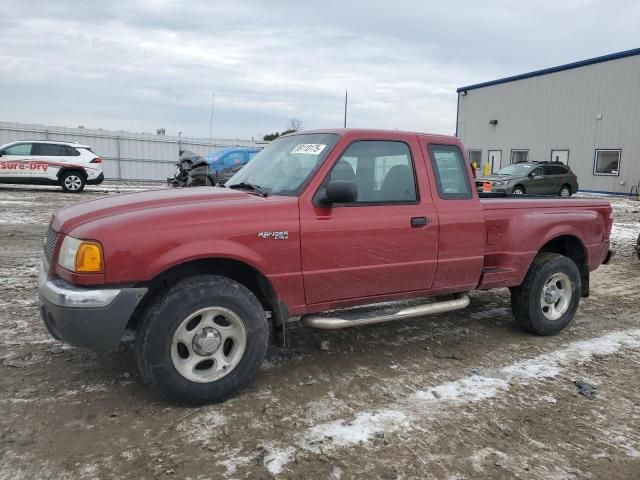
{"x": 70, "y": 165}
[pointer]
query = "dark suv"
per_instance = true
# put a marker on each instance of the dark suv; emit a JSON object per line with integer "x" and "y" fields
{"x": 540, "y": 178}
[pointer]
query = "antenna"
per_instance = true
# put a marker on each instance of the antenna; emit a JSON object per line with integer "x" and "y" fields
{"x": 213, "y": 98}
{"x": 345, "y": 108}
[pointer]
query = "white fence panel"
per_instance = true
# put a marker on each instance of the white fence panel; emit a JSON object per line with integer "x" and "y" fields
{"x": 127, "y": 156}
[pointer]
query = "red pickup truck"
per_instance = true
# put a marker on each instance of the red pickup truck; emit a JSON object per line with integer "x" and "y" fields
{"x": 336, "y": 227}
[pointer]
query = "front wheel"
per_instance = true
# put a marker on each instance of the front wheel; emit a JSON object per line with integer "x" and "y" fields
{"x": 203, "y": 341}
{"x": 72, "y": 182}
{"x": 549, "y": 296}
{"x": 518, "y": 190}
{"x": 565, "y": 191}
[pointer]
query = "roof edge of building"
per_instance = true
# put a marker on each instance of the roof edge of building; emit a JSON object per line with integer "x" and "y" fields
{"x": 559, "y": 68}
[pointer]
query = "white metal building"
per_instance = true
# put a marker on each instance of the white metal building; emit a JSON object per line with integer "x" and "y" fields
{"x": 585, "y": 114}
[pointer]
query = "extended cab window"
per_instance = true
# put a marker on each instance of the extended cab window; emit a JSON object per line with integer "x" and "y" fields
{"x": 20, "y": 149}
{"x": 450, "y": 171}
{"x": 382, "y": 171}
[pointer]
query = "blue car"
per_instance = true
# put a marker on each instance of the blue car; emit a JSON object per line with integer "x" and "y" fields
{"x": 216, "y": 167}
{"x": 230, "y": 157}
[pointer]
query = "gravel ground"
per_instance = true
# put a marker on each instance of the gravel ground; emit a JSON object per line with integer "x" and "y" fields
{"x": 458, "y": 395}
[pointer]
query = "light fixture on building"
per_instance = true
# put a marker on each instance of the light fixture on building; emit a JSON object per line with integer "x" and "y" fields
{"x": 493, "y": 122}
{"x": 599, "y": 116}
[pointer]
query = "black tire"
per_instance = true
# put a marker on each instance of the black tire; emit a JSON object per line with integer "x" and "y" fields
{"x": 164, "y": 316}
{"x": 565, "y": 191}
{"x": 72, "y": 181}
{"x": 526, "y": 300}
{"x": 200, "y": 181}
{"x": 519, "y": 190}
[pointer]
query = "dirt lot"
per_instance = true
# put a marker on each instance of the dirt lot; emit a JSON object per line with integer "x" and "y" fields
{"x": 459, "y": 395}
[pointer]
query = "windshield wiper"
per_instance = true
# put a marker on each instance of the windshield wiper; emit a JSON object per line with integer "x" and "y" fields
{"x": 250, "y": 186}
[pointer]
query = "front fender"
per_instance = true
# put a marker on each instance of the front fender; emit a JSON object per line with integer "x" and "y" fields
{"x": 202, "y": 249}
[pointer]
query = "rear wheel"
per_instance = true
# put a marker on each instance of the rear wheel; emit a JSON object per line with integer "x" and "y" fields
{"x": 72, "y": 181}
{"x": 565, "y": 191}
{"x": 549, "y": 296}
{"x": 202, "y": 341}
{"x": 518, "y": 190}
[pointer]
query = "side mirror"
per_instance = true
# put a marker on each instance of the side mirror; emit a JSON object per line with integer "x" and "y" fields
{"x": 340, "y": 191}
{"x": 530, "y": 175}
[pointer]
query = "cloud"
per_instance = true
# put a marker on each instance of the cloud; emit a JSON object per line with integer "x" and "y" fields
{"x": 141, "y": 65}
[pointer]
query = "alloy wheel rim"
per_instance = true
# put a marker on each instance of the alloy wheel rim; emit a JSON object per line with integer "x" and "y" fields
{"x": 72, "y": 182}
{"x": 556, "y": 296}
{"x": 208, "y": 344}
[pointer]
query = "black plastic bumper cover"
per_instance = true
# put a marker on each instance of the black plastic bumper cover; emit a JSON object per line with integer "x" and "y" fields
{"x": 96, "y": 181}
{"x": 96, "y": 328}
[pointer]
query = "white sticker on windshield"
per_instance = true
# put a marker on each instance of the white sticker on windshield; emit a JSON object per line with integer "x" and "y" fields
{"x": 310, "y": 148}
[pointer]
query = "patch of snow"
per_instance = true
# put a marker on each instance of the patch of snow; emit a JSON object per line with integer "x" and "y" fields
{"x": 277, "y": 458}
{"x": 360, "y": 429}
{"x": 469, "y": 389}
{"x": 625, "y": 231}
{"x": 233, "y": 462}
{"x": 204, "y": 426}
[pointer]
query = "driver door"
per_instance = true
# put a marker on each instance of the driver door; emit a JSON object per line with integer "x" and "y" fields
{"x": 535, "y": 182}
{"x": 385, "y": 242}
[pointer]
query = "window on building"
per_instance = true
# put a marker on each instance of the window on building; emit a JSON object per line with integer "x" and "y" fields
{"x": 475, "y": 157}
{"x": 607, "y": 162}
{"x": 519, "y": 156}
{"x": 451, "y": 172}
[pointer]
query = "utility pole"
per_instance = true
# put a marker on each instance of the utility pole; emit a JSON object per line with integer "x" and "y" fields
{"x": 345, "y": 108}
{"x": 213, "y": 98}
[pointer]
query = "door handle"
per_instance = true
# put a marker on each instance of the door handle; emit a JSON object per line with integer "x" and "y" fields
{"x": 420, "y": 221}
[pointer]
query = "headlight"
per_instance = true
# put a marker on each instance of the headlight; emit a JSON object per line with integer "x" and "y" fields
{"x": 82, "y": 256}
{"x": 501, "y": 182}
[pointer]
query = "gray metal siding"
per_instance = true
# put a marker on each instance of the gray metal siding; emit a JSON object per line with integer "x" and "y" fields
{"x": 558, "y": 112}
{"x": 130, "y": 156}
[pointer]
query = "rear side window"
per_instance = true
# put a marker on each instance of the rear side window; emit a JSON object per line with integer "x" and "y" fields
{"x": 20, "y": 149}
{"x": 233, "y": 158}
{"x": 554, "y": 170}
{"x": 48, "y": 150}
{"x": 71, "y": 152}
{"x": 450, "y": 170}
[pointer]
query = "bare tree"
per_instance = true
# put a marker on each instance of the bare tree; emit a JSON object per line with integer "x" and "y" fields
{"x": 294, "y": 125}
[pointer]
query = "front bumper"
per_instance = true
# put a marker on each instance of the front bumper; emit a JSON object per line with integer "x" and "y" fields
{"x": 96, "y": 181}
{"x": 494, "y": 188}
{"x": 86, "y": 317}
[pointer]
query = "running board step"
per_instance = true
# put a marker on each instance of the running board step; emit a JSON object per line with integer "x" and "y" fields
{"x": 379, "y": 313}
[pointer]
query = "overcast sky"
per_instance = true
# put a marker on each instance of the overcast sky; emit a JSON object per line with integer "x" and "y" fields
{"x": 142, "y": 65}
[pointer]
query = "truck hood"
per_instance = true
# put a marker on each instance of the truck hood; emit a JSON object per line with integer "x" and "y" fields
{"x": 144, "y": 204}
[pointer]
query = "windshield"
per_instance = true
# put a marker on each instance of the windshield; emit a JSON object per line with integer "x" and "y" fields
{"x": 516, "y": 170}
{"x": 284, "y": 166}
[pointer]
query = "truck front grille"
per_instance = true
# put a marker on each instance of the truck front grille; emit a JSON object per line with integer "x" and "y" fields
{"x": 50, "y": 240}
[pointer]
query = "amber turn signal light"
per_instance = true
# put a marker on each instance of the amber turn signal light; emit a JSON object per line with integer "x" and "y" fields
{"x": 89, "y": 258}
